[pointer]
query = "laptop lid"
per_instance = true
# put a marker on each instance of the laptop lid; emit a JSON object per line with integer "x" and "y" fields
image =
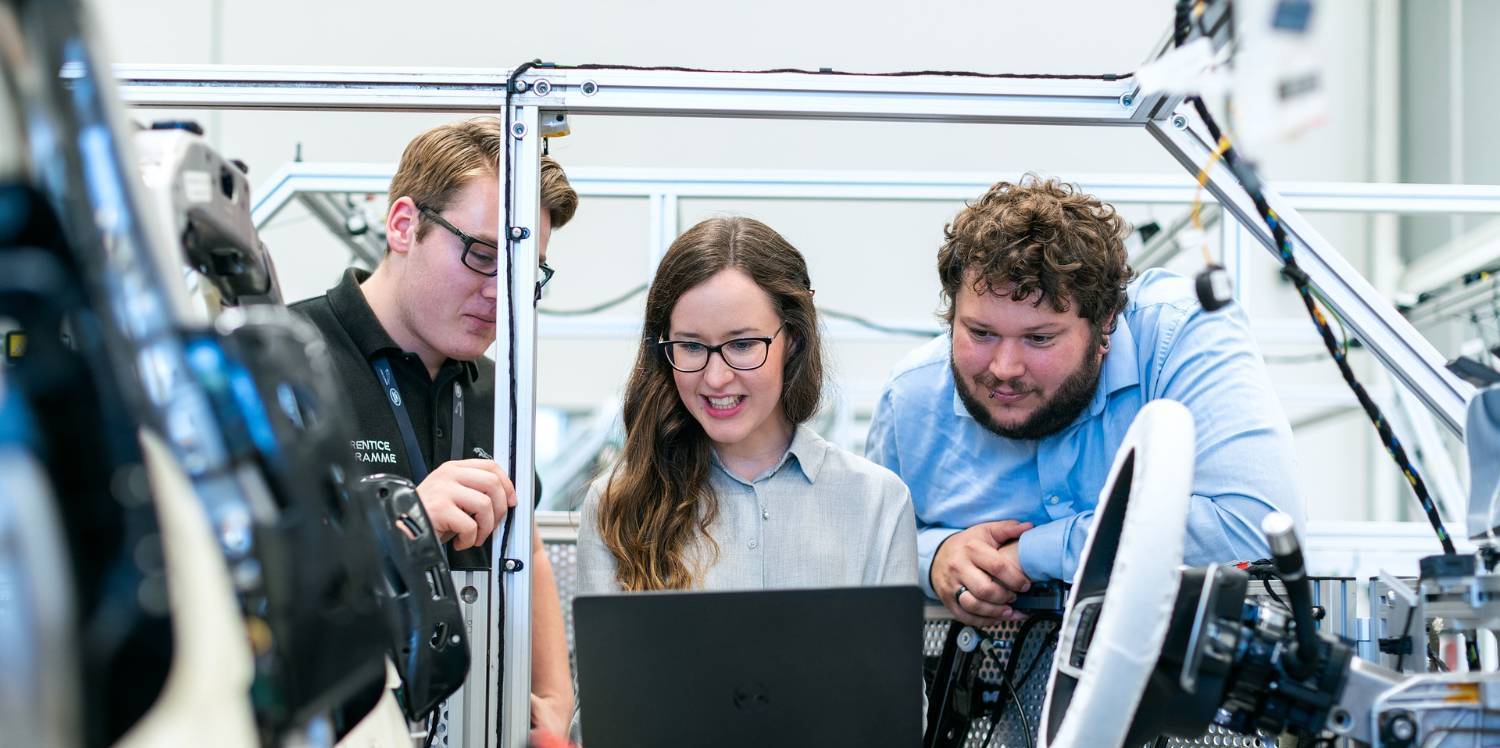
{"x": 825, "y": 667}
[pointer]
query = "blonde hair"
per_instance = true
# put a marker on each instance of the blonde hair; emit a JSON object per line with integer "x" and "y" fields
{"x": 440, "y": 161}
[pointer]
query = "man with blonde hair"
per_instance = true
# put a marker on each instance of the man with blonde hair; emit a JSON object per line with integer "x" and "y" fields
{"x": 409, "y": 341}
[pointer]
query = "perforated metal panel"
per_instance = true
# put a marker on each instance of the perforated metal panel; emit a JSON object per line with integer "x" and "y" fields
{"x": 1035, "y": 655}
{"x": 564, "y": 558}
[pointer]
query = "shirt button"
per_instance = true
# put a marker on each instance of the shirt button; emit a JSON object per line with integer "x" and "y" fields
{"x": 440, "y": 432}
{"x": 765, "y": 514}
{"x": 754, "y": 544}
{"x": 1053, "y": 500}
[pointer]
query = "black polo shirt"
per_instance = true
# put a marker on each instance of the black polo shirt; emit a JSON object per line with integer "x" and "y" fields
{"x": 356, "y": 341}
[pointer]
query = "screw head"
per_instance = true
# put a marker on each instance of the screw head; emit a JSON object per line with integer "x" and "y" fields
{"x": 517, "y": 233}
{"x": 589, "y": 88}
{"x": 518, "y": 130}
{"x": 542, "y": 87}
{"x": 1179, "y": 122}
{"x": 1403, "y": 729}
{"x": 968, "y": 639}
{"x": 1126, "y": 100}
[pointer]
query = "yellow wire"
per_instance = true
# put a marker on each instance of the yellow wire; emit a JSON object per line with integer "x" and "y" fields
{"x": 1198, "y": 196}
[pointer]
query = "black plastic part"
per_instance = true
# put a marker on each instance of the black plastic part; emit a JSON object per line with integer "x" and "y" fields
{"x": 239, "y": 268}
{"x": 1301, "y": 660}
{"x": 1473, "y": 372}
{"x": 1445, "y": 566}
{"x": 1215, "y": 290}
{"x": 85, "y": 438}
{"x": 1092, "y": 580}
{"x": 423, "y": 619}
{"x": 1165, "y": 707}
{"x": 1266, "y": 696}
{"x": 1397, "y": 645}
{"x": 950, "y": 694}
{"x": 275, "y": 394}
{"x": 1043, "y": 597}
{"x": 1397, "y": 730}
{"x": 178, "y": 124}
{"x": 1148, "y": 230}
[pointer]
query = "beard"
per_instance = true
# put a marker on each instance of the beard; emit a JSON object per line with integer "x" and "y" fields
{"x": 1053, "y": 415}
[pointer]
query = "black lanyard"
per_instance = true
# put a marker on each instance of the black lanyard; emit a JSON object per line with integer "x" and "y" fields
{"x": 403, "y": 421}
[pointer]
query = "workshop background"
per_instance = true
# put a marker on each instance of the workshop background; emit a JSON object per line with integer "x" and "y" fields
{"x": 1410, "y": 99}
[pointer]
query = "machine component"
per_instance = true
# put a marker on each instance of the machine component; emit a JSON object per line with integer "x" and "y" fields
{"x": 40, "y": 696}
{"x": 1462, "y": 590}
{"x": 427, "y": 639}
{"x": 1117, "y": 621}
{"x": 952, "y": 700}
{"x": 281, "y": 417}
{"x": 65, "y": 409}
{"x": 1398, "y": 626}
{"x": 205, "y": 200}
{"x": 1215, "y": 290}
{"x": 960, "y": 693}
{"x": 1265, "y": 670}
{"x": 1483, "y": 443}
{"x": 1438, "y": 710}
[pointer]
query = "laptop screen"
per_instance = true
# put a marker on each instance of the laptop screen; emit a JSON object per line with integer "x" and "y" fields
{"x": 823, "y": 667}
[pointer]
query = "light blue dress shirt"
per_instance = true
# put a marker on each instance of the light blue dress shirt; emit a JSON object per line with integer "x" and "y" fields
{"x": 1165, "y": 346}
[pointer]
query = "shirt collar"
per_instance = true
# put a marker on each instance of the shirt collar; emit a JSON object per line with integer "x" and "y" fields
{"x": 358, "y": 319}
{"x": 1120, "y": 370}
{"x": 807, "y": 450}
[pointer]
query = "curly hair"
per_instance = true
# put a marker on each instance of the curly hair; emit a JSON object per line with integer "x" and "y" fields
{"x": 1039, "y": 235}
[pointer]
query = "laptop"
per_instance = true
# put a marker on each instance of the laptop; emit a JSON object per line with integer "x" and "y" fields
{"x": 754, "y": 669}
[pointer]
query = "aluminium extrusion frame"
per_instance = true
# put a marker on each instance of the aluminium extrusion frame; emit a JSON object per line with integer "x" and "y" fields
{"x": 1092, "y": 102}
{"x": 1405, "y": 354}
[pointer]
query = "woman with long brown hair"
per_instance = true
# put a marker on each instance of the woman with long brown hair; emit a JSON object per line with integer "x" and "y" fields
{"x": 720, "y": 485}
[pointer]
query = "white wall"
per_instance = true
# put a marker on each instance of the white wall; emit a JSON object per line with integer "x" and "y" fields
{"x": 869, "y": 259}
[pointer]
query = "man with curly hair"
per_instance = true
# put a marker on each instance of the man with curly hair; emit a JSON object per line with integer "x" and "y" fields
{"x": 1005, "y": 428}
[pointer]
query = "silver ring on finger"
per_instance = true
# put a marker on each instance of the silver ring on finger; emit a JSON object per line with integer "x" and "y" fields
{"x": 958, "y": 596}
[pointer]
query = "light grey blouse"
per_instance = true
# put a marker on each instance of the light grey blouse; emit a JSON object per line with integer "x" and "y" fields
{"x": 822, "y": 517}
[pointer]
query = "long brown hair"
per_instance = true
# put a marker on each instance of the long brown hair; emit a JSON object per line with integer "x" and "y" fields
{"x": 658, "y": 499}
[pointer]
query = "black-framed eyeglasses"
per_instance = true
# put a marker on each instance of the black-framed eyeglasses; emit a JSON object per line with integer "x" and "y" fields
{"x": 481, "y": 256}
{"x": 742, "y": 354}
{"x": 547, "y": 273}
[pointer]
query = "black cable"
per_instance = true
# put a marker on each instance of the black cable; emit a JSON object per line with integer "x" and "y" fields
{"x": 597, "y": 308}
{"x": 1018, "y": 645}
{"x": 1007, "y": 674}
{"x": 432, "y": 723}
{"x": 831, "y": 71}
{"x": 1293, "y": 272}
{"x": 1037, "y": 658}
{"x": 1405, "y": 635}
{"x": 1015, "y": 698}
{"x": 876, "y": 326}
{"x": 1265, "y": 583}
